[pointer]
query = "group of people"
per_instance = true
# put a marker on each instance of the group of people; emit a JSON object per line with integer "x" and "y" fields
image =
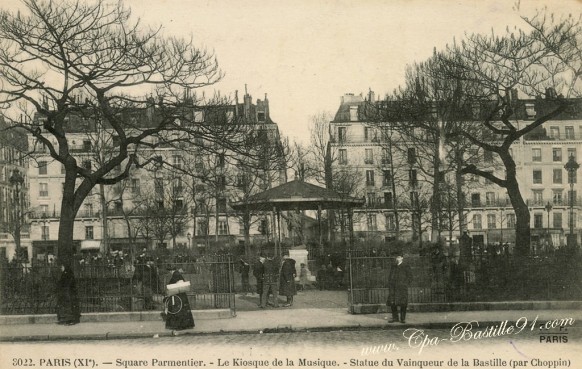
{"x": 277, "y": 277}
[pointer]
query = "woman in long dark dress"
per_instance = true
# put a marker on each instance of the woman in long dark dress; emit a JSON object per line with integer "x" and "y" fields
{"x": 68, "y": 310}
{"x": 178, "y": 315}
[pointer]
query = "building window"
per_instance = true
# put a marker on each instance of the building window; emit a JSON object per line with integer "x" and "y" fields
{"x": 372, "y": 225}
{"x": 241, "y": 227}
{"x": 411, "y": 155}
{"x": 353, "y": 113}
{"x": 178, "y": 204}
{"x": 510, "y": 220}
{"x": 557, "y": 220}
{"x": 87, "y": 164}
{"x": 538, "y": 196}
{"x": 86, "y": 145}
{"x": 367, "y": 134}
{"x": 369, "y": 177}
{"x": 88, "y": 210}
{"x": 221, "y": 205}
{"x": 222, "y": 227}
{"x": 390, "y": 222}
{"x": 45, "y": 232}
{"x": 89, "y": 232}
{"x": 557, "y": 197}
{"x": 572, "y": 196}
{"x": 388, "y": 201}
{"x": 159, "y": 187}
{"x": 44, "y": 210}
{"x": 371, "y": 198}
{"x": 221, "y": 160}
{"x": 199, "y": 165}
{"x": 538, "y": 220}
{"x": 477, "y": 221}
{"x": 555, "y": 132}
{"x": 342, "y": 134}
{"x": 412, "y": 178}
{"x": 177, "y": 161}
{"x": 135, "y": 186}
{"x": 537, "y": 176}
{"x": 569, "y": 132}
{"x": 536, "y": 154}
{"x": 385, "y": 156}
{"x": 201, "y": 228}
{"x": 572, "y": 152}
{"x": 43, "y": 189}
{"x": 491, "y": 221}
{"x": 476, "y": 200}
{"x": 387, "y": 178}
{"x": 557, "y": 177}
{"x": 369, "y": 157}
{"x": 261, "y": 117}
{"x": 488, "y": 156}
{"x": 490, "y": 198}
{"x": 343, "y": 156}
{"x": 42, "y": 168}
{"x": 557, "y": 154}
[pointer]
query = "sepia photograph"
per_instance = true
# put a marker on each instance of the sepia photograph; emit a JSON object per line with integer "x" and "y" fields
{"x": 288, "y": 184}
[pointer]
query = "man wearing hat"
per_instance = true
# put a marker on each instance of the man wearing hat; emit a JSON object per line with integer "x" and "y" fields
{"x": 399, "y": 280}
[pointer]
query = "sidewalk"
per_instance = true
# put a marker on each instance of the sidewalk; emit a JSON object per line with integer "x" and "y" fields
{"x": 271, "y": 320}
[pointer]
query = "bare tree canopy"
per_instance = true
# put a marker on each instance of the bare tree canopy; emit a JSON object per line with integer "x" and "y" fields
{"x": 463, "y": 102}
{"x": 74, "y": 67}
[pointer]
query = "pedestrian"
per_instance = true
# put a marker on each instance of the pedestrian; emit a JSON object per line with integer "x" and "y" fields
{"x": 244, "y": 269}
{"x": 303, "y": 272}
{"x": 68, "y": 309}
{"x": 399, "y": 280}
{"x": 177, "y": 307}
{"x": 259, "y": 274}
{"x": 146, "y": 276}
{"x": 287, "y": 279}
{"x": 271, "y": 281}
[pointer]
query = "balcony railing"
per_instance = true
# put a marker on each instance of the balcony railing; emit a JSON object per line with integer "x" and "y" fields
{"x": 554, "y": 137}
{"x": 564, "y": 202}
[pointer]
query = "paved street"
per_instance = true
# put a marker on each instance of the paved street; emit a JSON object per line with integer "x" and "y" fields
{"x": 363, "y": 346}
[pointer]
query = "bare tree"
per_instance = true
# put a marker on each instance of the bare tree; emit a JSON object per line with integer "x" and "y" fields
{"x": 544, "y": 59}
{"x": 71, "y": 64}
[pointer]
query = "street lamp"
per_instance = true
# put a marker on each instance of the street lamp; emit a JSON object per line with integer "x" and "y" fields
{"x": 16, "y": 180}
{"x": 548, "y": 209}
{"x": 571, "y": 166}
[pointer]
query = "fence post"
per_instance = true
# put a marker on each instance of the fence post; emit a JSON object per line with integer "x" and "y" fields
{"x": 231, "y": 295}
{"x": 351, "y": 297}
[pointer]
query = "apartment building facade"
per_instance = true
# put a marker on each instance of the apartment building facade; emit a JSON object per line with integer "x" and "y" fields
{"x": 14, "y": 200}
{"x": 398, "y": 191}
{"x": 182, "y": 201}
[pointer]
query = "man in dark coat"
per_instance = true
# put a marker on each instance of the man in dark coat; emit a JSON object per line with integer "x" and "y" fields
{"x": 399, "y": 280}
{"x": 287, "y": 279}
{"x": 68, "y": 307}
{"x": 259, "y": 274}
{"x": 271, "y": 281}
{"x": 146, "y": 276}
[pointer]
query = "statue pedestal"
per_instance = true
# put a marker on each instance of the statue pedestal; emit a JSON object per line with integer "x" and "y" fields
{"x": 300, "y": 256}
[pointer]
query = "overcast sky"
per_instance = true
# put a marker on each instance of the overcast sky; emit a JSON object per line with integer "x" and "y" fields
{"x": 305, "y": 54}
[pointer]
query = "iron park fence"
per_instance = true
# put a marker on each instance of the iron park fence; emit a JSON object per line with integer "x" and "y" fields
{"x": 107, "y": 288}
{"x": 485, "y": 279}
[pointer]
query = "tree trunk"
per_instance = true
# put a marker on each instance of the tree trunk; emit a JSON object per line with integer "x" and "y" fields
{"x": 522, "y": 218}
{"x": 247, "y": 232}
{"x": 435, "y": 206}
{"x": 460, "y": 195}
{"x": 65, "y": 247}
